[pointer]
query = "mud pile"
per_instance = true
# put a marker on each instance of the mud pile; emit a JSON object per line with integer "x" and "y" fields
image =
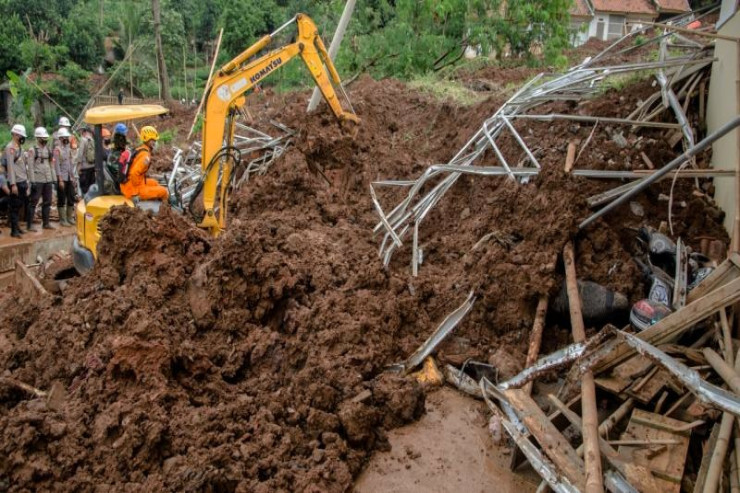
{"x": 255, "y": 361}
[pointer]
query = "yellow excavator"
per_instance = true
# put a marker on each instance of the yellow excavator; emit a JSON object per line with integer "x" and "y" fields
{"x": 223, "y": 99}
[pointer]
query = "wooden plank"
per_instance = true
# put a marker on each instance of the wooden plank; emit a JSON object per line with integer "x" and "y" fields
{"x": 26, "y": 283}
{"x": 570, "y": 157}
{"x": 624, "y": 374}
{"x": 589, "y": 411}
{"x": 660, "y": 422}
{"x": 724, "y": 273}
{"x": 535, "y": 337}
{"x": 675, "y": 324}
{"x": 647, "y": 392}
{"x": 552, "y": 442}
{"x": 701, "y": 477}
{"x": 666, "y": 462}
{"x": 639, "y": 476}
{"x": 647, "y": 161}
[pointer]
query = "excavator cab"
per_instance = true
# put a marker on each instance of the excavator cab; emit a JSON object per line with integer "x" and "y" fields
{"x": 104, "y": 193}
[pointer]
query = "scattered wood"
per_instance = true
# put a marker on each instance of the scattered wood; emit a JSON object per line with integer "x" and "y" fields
{"x": 647, "y": 161}
{"x": 594, "y": 477}
{"x": 670, "y": 328}
{"x": 666, "y": 464}
{"x": 535, "y": 337}
{"x": 701, "y": 477}
{"x": 570, "y": 156}
{"x": 636, "y": 474}
{"x": 23, "y": 386}
{"x": 552, "y": 442}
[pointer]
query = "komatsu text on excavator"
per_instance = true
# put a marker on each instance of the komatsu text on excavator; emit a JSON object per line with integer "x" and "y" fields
{"x": 223, "y": 99}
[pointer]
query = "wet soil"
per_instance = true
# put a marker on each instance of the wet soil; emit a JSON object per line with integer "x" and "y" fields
{"x": 256, "y": 361}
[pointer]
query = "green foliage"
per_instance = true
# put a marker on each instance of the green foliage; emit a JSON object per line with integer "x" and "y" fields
{"x": 168, "y": 136}
{"x": 12, "y": 34}
{"x": 24, "y": 94}
{"x": 41, "y": 57}
{"x": 83, "y": 36}
{"x": 244, "y": 21}
{"x": 446, "y": 89}
{"x": 69, "y": 89}
{"x": 386, "y": 38}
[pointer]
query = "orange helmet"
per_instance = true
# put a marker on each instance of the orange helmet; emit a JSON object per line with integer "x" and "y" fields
{"x": 106, "y": 133}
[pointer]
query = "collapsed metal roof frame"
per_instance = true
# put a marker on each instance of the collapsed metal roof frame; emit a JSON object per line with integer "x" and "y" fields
{"x": 679, "y": 68}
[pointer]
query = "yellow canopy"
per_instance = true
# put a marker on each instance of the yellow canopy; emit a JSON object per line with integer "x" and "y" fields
{"x": 122, "y": 112}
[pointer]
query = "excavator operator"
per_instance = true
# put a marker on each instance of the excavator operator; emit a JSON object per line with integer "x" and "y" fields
{"x": 135, "y": 183}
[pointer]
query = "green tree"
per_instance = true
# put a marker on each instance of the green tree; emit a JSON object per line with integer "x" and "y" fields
{"x": 82, "y": 34}
{"x": 244, "y": 21}
{"x": 12, "y": 34}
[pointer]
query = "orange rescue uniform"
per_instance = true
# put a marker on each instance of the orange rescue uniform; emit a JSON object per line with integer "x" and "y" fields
{"x": 138, "y": 183}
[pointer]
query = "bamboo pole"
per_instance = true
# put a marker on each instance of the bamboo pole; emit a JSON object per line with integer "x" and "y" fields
{"x": 535, "y": 337}
{"x": 48, "y": 96}
{"x": 691, "y": 31}
{"x": 184, "y": 72}
{"x": 208, "y": 83}
{"x": 719, "y": 453}
{"x": 731, "y": 377}
{"x": 592, "y": 456}
{"x": 736, "y": 456}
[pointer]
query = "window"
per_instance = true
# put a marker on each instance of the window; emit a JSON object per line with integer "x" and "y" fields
{"x": 616, "y": 26}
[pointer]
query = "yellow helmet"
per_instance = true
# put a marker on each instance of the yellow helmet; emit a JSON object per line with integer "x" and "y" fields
{"x": 149, "y": 133}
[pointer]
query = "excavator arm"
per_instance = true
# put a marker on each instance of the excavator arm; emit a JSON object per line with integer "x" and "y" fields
{"x": 226, "y": 95}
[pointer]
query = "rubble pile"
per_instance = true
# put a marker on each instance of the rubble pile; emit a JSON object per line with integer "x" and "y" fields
{"x": 267, "y": 359}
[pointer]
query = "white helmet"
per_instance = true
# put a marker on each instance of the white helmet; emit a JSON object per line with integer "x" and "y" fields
{"x": 64, "y": 122}
{"x": 19, "y": 129}
{"x": 63, "y": 132}
{"x": 41, "y": 133}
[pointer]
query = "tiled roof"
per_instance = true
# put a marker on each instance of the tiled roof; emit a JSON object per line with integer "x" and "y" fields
{"x": 673, "y": 6}
{"x": 626, "y": 6}
{"x": 580, "y": 9}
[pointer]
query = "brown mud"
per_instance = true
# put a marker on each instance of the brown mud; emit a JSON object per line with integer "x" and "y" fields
{"x": 256, "y": 361}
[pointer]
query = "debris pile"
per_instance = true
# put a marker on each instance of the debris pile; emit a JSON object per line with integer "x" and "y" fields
{"x": 276, "y": 356}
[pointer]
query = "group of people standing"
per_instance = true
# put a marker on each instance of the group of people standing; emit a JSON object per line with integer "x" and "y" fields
{"x": 68, "y": 166}
{"x": 30, "y": 175}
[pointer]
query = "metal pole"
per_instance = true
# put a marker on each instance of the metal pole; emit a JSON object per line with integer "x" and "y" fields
{"x": 99, "y": 156}
{"x": 646, "y": 182}
{"x": 334, "y": 47}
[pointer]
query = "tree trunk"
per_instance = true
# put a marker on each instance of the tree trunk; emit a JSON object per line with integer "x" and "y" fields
{"x": 162, "y": 67}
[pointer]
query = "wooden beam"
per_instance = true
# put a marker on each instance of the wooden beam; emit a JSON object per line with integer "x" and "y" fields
{"x": 594, "y": 475}
{"x": 535, "y": 337}
{"x": 640, "y": 475}
{"x": 552, "y": 442}
{"x": 674, "y": 325}
{"x": 570, "y": 157}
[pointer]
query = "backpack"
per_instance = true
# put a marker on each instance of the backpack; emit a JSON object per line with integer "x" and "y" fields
{"x": 90, "y": 151}
{"x": 124, "y": 163}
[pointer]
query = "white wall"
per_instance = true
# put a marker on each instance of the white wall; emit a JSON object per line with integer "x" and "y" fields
{"x": 722, "y": 106}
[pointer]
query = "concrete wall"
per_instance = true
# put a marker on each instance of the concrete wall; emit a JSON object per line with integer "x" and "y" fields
{"x": 722, "y": 106}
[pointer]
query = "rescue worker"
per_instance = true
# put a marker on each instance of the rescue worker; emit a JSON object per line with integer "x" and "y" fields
{"x": 85, "y": 161}
{"x": 64, "y": 123}
{"x": 42, "y": 177}
{"x": 106, "y": 142}
{"x": 137, "y": 184}
{"x": 64, "y": 170}
{"x": 16, "y": 165}
{"x": 119, "y": 154}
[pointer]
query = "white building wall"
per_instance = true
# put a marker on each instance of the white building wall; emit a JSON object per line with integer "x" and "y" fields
{"x": 722, "y": 106}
